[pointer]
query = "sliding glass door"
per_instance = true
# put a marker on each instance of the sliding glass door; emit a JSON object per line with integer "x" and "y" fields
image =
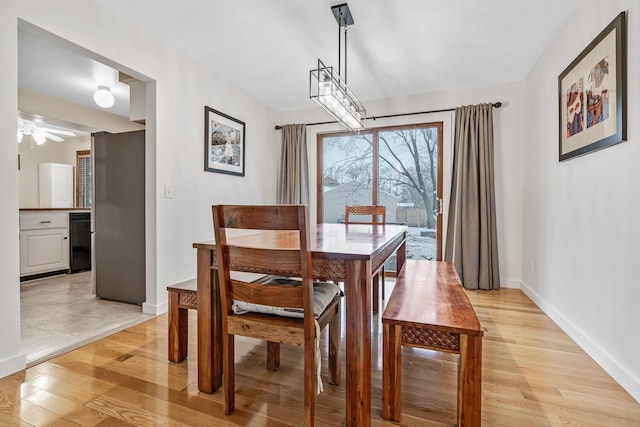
{"x": 398, "y": 167}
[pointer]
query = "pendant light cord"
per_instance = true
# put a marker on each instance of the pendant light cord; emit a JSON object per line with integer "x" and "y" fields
{"x": 339, "y": 49}
{"x": 345, "y": 54}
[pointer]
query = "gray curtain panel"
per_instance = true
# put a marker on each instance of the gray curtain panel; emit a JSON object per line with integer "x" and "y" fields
{"x": 293, "y": 179}
{"x": 472, "y": 243}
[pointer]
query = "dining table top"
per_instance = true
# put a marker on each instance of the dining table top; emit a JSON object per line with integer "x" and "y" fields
{"x": 355, "y": 241}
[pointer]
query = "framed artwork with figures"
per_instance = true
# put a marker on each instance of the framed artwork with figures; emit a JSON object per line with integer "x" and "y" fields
{"x": 592, "y": 94}
{"x": 223, "y": 143}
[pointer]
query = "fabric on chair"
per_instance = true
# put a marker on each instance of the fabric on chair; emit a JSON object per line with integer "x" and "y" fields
{"x": 323, "y": 294}
{"x": 293, "y": 177}
{"x": 472, "y": 243}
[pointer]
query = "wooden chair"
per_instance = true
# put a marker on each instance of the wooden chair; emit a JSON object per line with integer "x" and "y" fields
{"x": 276, "y": 329}
{"x": 378, "y": 215}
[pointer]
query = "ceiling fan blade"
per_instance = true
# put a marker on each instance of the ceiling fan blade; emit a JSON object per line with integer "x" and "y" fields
{"x": 51, "y": 136}
{"x": 60, "y": 132}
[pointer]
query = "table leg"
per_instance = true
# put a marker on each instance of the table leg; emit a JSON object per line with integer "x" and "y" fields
{"x": 209, "y": 325}
{"x": 358, "y": 342}
{"x": 401, "y": 255}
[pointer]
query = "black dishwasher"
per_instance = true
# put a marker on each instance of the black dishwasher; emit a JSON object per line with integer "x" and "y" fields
{"x": 80, "y": 245}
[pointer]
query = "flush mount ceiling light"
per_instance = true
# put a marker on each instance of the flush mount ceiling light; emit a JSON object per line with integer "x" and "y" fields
{"x": 103, "y": 97}
{"x": 329, "y": 90}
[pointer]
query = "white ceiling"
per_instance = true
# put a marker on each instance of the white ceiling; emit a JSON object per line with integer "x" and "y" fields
{"x": 268, "y": 47}
{"x": 48, "y": 67}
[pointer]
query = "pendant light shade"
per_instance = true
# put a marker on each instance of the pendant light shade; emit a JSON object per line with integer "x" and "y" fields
{"x": 329, "y": 91}
{"x": 103, "y": 97}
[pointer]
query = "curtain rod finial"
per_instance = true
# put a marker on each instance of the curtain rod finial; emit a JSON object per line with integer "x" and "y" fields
{"x": 497, "y": 104}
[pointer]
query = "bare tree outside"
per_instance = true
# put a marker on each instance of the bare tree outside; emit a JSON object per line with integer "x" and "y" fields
{"x": 348, "y": 158}
{"x": 408, "y": 168}
{"x": 407, "y": 179}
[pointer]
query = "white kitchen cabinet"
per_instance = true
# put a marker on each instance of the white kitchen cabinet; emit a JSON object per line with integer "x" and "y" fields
{"x": 44, "y": 242}
{"x": 55, "y": 185}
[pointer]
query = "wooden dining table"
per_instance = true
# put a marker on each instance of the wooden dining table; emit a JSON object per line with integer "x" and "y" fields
{"x": 346, "y": 253}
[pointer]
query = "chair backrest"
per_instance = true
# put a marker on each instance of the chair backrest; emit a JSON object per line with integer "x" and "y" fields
{"x": 378, "y": 214}
{"x": 284, "y": 250}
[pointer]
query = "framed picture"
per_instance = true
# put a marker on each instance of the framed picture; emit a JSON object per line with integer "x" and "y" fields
{"x": 592, "y": 94}
{"x": 223, "y": 143}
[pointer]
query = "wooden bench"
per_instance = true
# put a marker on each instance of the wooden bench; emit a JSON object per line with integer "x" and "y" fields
{"x": 429, "y": 309}
{"x": 182, "y": 297}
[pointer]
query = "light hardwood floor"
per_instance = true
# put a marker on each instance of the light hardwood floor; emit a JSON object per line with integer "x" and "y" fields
{"x": 533, "y": 375}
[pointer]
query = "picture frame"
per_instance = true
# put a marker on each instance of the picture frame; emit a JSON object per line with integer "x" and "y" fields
{"x": 592, "y": 94}
{"x": 224, "y": 143}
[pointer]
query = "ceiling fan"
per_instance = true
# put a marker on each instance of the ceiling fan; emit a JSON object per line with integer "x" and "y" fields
{"x": 40, "y": 134}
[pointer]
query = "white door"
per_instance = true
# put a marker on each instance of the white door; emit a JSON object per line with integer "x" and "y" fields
{"x": 56, "y": 185}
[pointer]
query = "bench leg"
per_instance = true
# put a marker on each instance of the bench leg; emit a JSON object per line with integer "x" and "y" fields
{"x": 375, "y": 292}
{"x": 470, "y": 381}
{"x": 273, "y": 356}
{"x": 178, "y": 330}
{"x": 391, "y": 371}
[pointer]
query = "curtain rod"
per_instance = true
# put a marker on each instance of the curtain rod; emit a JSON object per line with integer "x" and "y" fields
{"x": 495, "y": 105}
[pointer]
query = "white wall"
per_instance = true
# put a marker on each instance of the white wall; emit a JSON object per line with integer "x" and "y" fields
{"x": 10, "y": 358}
{"x": 175, "y": 147}
{"x": 31, "y": 155}
{"x": 508, "y": 135}
{"x": 581, "y": 228}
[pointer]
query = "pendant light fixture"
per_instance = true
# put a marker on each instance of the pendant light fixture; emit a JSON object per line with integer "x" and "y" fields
{"x": 103, "y": 97}
{"x": 327, "y": 87}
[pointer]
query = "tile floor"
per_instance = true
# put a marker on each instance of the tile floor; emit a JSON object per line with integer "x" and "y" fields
{"x": 61, "y": 313}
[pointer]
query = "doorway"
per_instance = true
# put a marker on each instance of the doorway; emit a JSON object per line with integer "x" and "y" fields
{"x": 70, "y": 299}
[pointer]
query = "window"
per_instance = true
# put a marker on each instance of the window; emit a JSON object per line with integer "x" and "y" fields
{"x": 83, "y": 179}
{"x": 399, "y": 167}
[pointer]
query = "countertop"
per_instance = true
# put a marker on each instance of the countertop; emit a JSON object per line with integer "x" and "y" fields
{"x": 54, "y": 209}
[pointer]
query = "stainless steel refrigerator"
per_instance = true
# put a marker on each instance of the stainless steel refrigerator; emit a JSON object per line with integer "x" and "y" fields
{"x": 118, "y": 213}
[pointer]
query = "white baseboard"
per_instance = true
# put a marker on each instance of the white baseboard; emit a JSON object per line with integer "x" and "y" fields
{"x": 155, "y": 309}
{"x": 13, "y": 365}
{"x": 512, "y": 284}
{"x": 618, "y": 372}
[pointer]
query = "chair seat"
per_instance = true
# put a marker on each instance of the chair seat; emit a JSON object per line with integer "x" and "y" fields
{"x": 323, "y": 294}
